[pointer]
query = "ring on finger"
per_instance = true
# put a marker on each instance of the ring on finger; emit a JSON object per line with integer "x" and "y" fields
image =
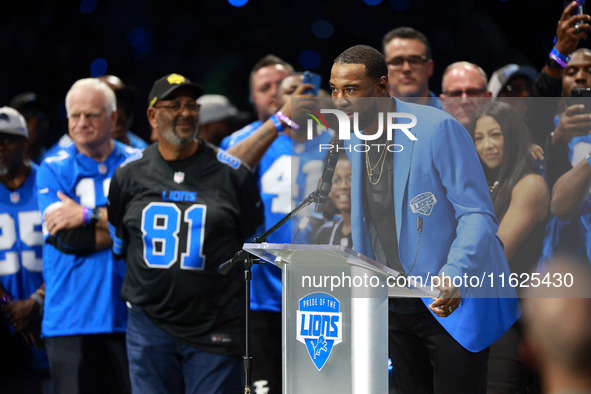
{"x": 450, "y": 309}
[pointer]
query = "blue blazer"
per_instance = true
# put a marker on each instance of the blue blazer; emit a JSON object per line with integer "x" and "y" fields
{"x": 439, "y": 178}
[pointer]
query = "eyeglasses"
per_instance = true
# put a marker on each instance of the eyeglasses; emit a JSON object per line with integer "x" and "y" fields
{"x": 413, "y": 60}
{"x": 470, "y": 92}
{"x": 177, "y": 106}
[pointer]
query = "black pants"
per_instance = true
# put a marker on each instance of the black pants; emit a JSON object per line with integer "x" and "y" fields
{"x": 266, "y": 351}
{"x": 18, "y": 374}
{"x": 426, "y": 359}
{"x": 88, "y": 364}
{"x": 507, "y": 372}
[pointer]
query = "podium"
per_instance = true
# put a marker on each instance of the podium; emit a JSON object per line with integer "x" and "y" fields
{"x": 335, "y": 317}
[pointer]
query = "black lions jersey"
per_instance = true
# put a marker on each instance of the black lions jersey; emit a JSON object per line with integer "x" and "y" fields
{"x": 175, "y": 222}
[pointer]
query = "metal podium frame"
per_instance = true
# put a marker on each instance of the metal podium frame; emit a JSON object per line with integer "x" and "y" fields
{"x": 335, "y": 338}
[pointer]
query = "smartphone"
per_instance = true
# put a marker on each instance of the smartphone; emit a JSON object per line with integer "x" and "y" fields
{"x": 314, "y": 79}
{"x": 579, "y": 8}
{"x": 580, "y": 92}
{"x": 581, "y": 96}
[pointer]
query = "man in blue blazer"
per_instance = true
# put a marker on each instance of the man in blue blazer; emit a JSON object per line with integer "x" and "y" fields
{"x": 425, "y": 211}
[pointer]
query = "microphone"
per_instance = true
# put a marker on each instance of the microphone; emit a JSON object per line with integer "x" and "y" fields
{"x": 325, "y": 182}
{"x": 226, "y": 267}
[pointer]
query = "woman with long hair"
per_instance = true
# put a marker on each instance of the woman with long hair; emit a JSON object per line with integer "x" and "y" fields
{"x": 521, "y": 199}
{"x": 520, "y": 196}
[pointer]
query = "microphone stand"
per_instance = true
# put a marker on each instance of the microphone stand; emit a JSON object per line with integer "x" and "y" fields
{"x": 248, "y": 261}
{"x": 318, "y": 196}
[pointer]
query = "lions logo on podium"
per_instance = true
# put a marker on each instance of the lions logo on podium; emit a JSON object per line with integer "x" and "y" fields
{"x": 319, "y": 326}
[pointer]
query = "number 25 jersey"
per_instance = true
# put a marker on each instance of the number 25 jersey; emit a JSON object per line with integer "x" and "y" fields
{"x": 21, "y": 240}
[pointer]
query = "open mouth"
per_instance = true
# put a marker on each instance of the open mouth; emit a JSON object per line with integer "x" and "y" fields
{"x": 342, "y": 197}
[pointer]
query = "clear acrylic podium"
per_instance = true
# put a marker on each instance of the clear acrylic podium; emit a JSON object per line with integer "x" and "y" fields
{"x": 335, "y": 317}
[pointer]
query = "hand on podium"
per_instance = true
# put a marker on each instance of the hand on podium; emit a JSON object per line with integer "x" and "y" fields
{"x": 448, "y": 300}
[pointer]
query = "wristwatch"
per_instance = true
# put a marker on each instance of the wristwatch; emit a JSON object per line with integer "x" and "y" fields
{"x": 96, "y": 215}
{"x": 550, "y": 62}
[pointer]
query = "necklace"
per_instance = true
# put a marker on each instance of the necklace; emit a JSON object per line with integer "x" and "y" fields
{"x": 370, "y": 169}
{"x": 492, "y": 188}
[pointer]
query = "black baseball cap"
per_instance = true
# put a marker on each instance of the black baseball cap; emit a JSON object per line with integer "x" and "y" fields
{"x": 168, "y": 84}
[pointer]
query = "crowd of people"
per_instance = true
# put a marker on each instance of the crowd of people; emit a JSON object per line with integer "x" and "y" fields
{"x": 110, "y": 247}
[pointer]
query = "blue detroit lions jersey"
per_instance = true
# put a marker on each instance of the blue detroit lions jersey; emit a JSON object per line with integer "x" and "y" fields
{"x": 239, "y": 135}
{"x": 21, "y": 244}
{"x": 21, "y": 240}
{"x": 569, "y": 236}
{"x": 82, "y": 292}
{"x": 577, "y": 150}
{"x": 288, "y": 172}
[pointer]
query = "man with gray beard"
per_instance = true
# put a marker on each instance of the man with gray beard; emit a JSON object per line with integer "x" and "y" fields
{"x": 177, "y": 211}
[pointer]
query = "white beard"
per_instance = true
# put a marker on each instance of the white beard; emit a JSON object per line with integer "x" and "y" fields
{"x": 175, "y": 140}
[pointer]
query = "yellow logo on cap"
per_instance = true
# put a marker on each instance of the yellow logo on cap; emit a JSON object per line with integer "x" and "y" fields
{"x": 153, "y": 101}
{"x": 175, "y": 79}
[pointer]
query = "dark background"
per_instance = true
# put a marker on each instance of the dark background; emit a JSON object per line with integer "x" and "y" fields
{"x": 47, "y": 45}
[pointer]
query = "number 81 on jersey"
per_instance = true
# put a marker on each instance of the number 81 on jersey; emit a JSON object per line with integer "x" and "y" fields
{"x": 161, "y": 224}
